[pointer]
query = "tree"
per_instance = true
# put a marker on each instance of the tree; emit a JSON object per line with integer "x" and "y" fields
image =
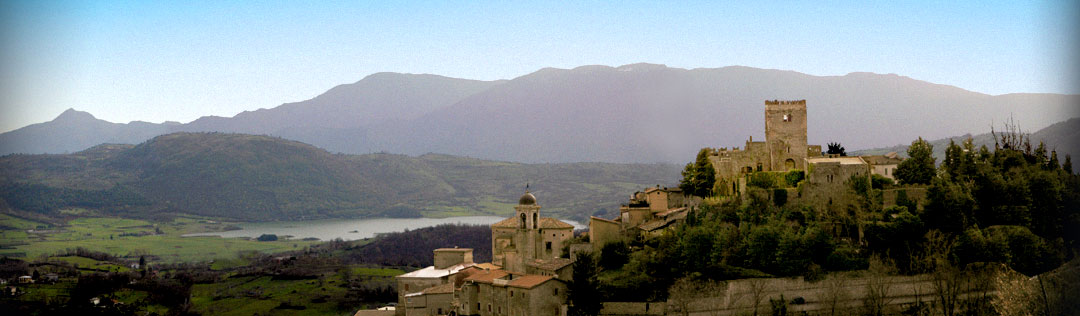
{"x": 836, "y": 149}
{"x": 1067, "y": 166}
{"x": 699, "y": 176}
{"x": 584, "y": 296}
{"x": 919, "y": 167}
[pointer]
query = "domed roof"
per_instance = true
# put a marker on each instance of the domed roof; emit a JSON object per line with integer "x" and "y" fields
{"x": 527, "y": 199}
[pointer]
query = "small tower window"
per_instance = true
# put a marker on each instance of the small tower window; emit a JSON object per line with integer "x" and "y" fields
{"x": 548, "y": 246}
{"x": 787, "y": 117}
{"x": 523, "y": 220}
{"x": 536, "y": 218}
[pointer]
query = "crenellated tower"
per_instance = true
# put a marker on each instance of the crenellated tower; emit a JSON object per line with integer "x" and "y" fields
{"x": 785, "y": 134}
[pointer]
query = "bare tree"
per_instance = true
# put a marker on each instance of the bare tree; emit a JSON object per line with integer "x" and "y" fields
{"x": 686, "y": 294}
{"x": 878, "y": 286}
{"x": 835, "y": 293}
{"x": 758, "y": 289}
{"x": 948, "y": 280}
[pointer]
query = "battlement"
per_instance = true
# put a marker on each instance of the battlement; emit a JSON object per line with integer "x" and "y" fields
{"x": 785, "y": 102}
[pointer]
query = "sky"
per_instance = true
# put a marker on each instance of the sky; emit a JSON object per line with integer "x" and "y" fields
{"x": 161, "y": 61}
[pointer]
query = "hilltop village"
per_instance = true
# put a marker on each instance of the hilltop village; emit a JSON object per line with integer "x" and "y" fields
{"x": 533, "y": 255}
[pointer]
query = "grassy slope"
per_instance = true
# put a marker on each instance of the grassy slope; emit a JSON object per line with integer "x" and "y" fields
{"x": 103, "y": 234}
{"x": 250, "y": 177}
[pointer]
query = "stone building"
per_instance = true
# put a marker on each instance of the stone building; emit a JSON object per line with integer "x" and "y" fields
{"x": 527, "y": 237}
{"x": 785, "y": 148}
{"x": 884, "y": 165}
{"x": 498, "y": 293}
{"x": 526, "y": 277}
{"x": 647, "y": 214}
{"x": 422, "y": 292}
{"x": 827, "y": 182}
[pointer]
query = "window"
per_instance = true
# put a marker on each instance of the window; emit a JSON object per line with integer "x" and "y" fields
{"x": 511, "y": 293}
{"x": 489, "y": 307}
{"x": 787, "y": 117}
{"x": 555, "y": 292}
{"x": 535, "y": 219}
{"x": 523, "y": 220}
{"x": 406, "y": 286}
{"x": 759, "y": 166}
{"x": 548, "y": 246}
{"x": 477, "y": 306}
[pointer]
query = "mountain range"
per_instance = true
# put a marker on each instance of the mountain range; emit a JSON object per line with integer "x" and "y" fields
{"x": 1062, "y": 137}
{"x": 261, "y": 178}
{"x": 639, "y": 113}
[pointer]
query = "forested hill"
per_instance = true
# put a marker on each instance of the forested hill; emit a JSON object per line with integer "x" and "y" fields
{"x": 250, "y": 177}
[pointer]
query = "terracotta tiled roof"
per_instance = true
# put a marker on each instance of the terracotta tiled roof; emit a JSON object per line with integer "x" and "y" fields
{"x": 604, "y": 220}
{"x": 550, "y": 264}
{"x": 487, "y": 266}
{"x": 439, "y": 289}
{"x": 486, "y": 276}
{"x": 671, "y": 211}
{"x": 545, "y": 222}
{"x": 529, "y": 281}
{"x": 548, "y": 222}
{"x": 508, "y": 223}
{"x": 653, "y": 225}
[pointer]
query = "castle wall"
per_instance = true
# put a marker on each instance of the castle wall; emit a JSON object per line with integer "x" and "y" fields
{"x": 826, "y": 185}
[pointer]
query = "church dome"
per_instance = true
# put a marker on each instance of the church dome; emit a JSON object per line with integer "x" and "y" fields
{"x": 527, "y": 199}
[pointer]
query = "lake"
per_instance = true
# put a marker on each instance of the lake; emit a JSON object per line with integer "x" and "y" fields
{"x": 350, "y": 229}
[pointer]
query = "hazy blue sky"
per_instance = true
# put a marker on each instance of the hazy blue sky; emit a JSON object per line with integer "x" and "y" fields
{"x": 178, "y": 60}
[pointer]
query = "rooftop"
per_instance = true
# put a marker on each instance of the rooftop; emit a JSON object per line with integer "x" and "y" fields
{"x": 454, "y": 249}
{"x": 545, "y": 222}
{"x": 529, "y": 281}
{"x": 487, "y": 276}
{"x": 550, "y": 264}
{"x": 840, "y": 160}
{"x": 432, "y": 272}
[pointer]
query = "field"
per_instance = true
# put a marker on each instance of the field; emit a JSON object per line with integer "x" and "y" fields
{"x": 263, "y": 295}
{"x": 131, "y": 238}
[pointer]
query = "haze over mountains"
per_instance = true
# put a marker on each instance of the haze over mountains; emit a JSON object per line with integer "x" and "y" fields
{"x": 631, "y": 113}
{"x": 261, "y": 178}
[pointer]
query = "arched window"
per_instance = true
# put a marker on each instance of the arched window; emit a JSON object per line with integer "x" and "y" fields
{"x": 536, "y": 218}
{"x": 522, "y": 221}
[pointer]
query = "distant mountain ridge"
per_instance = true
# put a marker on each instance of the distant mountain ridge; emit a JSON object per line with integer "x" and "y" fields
{"x": 262, "y": 178}
{"x": 1063, "y": 137}
{"x": 631, "y": 113}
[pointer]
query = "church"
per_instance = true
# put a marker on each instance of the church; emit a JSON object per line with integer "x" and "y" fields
{"x": 527, "y": 275}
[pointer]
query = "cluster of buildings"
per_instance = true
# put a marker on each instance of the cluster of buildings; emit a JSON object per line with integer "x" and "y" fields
{"x": 531, "y": 264}
{"x": 528, "y": 274}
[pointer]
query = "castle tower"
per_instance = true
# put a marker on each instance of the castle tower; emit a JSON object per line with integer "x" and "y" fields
{"x": 785, "y": 134}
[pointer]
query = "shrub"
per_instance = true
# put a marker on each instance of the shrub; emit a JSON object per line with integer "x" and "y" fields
{"x": 267, "y": 237}
{"x": 793, "y": 177}
{"x": 762, "y": 180}
{"x": 779, "y": 197}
